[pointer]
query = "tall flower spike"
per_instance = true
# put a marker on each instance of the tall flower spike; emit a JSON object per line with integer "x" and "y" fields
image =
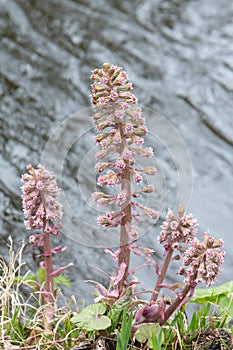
{"x": 121, "y": 130}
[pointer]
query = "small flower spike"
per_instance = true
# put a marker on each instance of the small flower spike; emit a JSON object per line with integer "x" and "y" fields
{"x": 41, "y": 208}
{"x": 39, "y": 197}
{"x": 177, "y": 230}
{"x": 202, "y": 261}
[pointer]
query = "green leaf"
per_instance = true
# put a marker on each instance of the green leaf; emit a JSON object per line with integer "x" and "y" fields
{"x": 226, "y": 305}
{"x": 144, "y": 333}
{"x": 204, "y": 295}
{"x": 157, "y": 341}
{"x": 154, "y": 341}
{"x": 193, "y": 323}
{"x": 126, "y": 326}
{"x": 91, "y": 318}
{"x": 41, "y": 274}
{"x": 124, "y": 335}
{"x": 119, "y": 344}
{"x": 62, "y": 279}
{"x": 118, "y": 307}
{"x": 94, "y": 309}
{"x": 29, "y": 279}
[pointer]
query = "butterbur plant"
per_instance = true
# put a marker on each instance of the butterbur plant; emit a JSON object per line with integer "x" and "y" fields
{"x": 121, "y": 130}
{"x": 41, "y": 210}
{"x": 201, "y": 260}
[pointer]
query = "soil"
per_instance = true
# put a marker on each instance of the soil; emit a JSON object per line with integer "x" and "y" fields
{"x": 217, "y": 339}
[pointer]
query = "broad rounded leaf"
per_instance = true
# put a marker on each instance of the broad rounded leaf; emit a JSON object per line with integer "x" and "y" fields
{"x": 96, "y": 324}
{"x": 94, "y": 309}
{"x": 144, "y": 333}
{"x": 91, "y": 318}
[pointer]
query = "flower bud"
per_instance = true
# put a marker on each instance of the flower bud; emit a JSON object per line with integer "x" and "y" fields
{"x": 137, "y": 177}
{"x": 100, "y": 167}
{"x": 151, "y": 170}
{"x": 140, "y": 131}
{"x": 120, "y": 163}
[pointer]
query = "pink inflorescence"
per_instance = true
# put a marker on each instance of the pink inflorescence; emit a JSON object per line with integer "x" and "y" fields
{"x": 177, "y": 230}
{"x": 121, "y": 130}
{"x": 39, "y": 197}
{"x": 202, "y": 261}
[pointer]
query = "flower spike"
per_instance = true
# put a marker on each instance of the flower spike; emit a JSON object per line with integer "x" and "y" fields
{"x": 120, "y": 133}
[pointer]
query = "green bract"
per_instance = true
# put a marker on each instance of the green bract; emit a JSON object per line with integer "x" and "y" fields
{"x": 92, "y": 318}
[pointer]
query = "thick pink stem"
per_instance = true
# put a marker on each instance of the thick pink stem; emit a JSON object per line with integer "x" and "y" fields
{"x": 124, "y": 256}
{"x": 162, "y": 275}
{"x": 49, "y": 299}
{"x": 175, "y": 305}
